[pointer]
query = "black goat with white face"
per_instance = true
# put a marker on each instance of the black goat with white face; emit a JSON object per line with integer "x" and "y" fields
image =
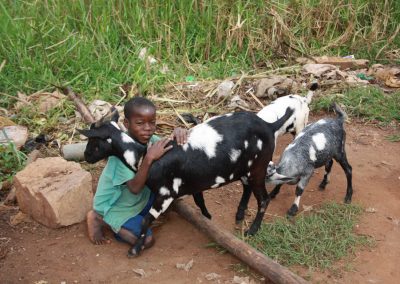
{"x": 219, "y": 151}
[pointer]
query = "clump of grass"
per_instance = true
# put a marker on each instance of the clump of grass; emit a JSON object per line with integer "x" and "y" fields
{"x": 315, "y": 240}
{"x": 393, "y": 138}
{"x": 11, "y": 161}
{"x": 369, "y": 103}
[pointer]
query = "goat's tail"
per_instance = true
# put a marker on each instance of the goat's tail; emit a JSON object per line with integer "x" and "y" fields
{"x": 341, "y": 115}
{"x": 310, "y": 93}
{"x": 281, "y": 121}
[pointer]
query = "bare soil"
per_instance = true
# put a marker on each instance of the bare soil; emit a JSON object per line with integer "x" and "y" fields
{"x": 32, "y": 253}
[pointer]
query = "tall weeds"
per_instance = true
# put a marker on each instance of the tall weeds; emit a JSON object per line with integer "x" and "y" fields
{"x": 94, "y": 44}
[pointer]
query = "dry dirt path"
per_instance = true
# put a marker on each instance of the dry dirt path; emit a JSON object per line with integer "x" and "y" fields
{"x": 37, "y": 253}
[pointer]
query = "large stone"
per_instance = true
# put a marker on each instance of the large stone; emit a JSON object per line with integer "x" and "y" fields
{"x": 54, "y": 192}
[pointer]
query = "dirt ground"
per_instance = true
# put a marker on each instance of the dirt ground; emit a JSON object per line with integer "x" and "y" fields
{"x": 36, "y": 253}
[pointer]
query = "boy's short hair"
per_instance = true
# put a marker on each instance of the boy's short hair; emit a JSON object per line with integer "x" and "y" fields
{"x": 136, "y": 102}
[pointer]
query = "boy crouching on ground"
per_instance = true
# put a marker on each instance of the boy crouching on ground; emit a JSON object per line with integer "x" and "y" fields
{"x": 122, "y": 199}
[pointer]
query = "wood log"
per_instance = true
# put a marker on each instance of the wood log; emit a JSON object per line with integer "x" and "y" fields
{"x": 80, "y": 105}
{"x": 253, "y": 258}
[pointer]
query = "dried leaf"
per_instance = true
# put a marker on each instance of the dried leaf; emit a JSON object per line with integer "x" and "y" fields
{"x": 186, "y": 266}
{"x": 139, "y": 272}
{"x": 212, "y": 276}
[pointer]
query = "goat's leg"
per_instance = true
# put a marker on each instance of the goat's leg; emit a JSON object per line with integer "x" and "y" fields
{"x": 348, "y": 171}
{"x": 199, "y": 200}
{"x": 275, "y": 191}
{"x": 159, "y": 206}
{"x": 299, "y": 191}
{"x": 244, "y": 201}
{"x": 325, "y": 181}
{"x": 263, "y": 199}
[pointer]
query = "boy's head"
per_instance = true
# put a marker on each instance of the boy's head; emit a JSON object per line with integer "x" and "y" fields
{"x": 140, "y": 119}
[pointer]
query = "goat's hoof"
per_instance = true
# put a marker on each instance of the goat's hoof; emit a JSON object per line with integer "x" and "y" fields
{"x": 207, "y": 215}
{"x": 292, "y": 211}
{"x": 322, "y": 187}
{"x": 347, "y": 200}
{"x": 251, "y": 232}
{"x": 239, "y": 217}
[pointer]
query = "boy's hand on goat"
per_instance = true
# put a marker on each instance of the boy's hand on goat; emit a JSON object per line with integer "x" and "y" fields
{"x": 180, "y": 135}
{"x": 158, "y": 149}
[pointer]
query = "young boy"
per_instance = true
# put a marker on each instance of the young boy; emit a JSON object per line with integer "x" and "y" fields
{"x": 122, "y": 199}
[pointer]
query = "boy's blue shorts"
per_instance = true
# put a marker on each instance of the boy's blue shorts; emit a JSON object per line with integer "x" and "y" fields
{"x": 134, "y": 224}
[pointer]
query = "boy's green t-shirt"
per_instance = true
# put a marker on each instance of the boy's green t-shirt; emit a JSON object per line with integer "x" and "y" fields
{"x": 113, "y": 200}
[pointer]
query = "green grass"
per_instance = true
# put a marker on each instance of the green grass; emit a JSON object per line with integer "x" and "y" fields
{"x": 94, "y": 45}
{"x": 393, "y": 138}
{"x": 11, "y": 161}
{"x": 369, "y": 103}
{"x": 315, "y": 240}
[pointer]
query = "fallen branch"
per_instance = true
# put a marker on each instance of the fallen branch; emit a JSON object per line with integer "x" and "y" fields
{"x": 253, "y": 258}
{"x": 80, "y": 105}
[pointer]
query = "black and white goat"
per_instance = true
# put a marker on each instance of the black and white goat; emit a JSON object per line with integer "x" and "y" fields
{"x": 298, "y": 120}
{"x": 219, "y": 151}
{"x": 316, "y": 146}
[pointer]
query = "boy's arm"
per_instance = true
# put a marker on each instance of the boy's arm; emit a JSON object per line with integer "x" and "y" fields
{"x": 154, "y": 152}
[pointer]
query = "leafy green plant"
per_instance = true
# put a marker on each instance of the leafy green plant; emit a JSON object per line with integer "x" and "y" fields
{"x": 11, "y": 161}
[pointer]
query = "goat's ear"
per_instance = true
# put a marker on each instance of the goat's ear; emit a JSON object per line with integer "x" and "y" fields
{"x": 91, "y": 133}
{"x": 114, "y": 114}
{"x": 276, "y": 178}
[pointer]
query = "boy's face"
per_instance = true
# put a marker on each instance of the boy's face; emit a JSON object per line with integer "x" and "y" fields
{"x": 142, "y": 123}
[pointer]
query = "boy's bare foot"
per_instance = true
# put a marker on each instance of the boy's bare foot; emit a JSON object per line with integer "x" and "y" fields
{"x": 95, "y": 225}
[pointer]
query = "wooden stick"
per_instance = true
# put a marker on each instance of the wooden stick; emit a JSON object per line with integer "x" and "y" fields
{"x": 80, "y": 105}
{"x": 256, "y": 260}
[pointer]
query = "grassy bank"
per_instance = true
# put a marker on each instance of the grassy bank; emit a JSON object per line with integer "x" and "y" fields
{"x": 94, "y": 45}
{"x": 368, "y": 103}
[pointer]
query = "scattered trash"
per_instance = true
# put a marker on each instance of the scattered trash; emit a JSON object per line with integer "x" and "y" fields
{"x": 143, "y": 56}
{"x": 237, "y": 102}
{"x": 99, "y": 108}
{"x": 212, "y": 276}
{"x": 390, "y": 76}
{"x": 318, "y": 69}
{"x": 265, "y": 84}
{"x": 370, "y": 210}
{"x": 35, "y": 143}
{"x": 185, "y": 266}
{"x": 139, "y": 272}
{"x": 225, "y": 89}
{"x": 44, "y": 101}
{"x": 17, "y": 134}
{"x": 190, "y": 78}
{"x": 363, "y": 76}
{"x": 346, "y": 62}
